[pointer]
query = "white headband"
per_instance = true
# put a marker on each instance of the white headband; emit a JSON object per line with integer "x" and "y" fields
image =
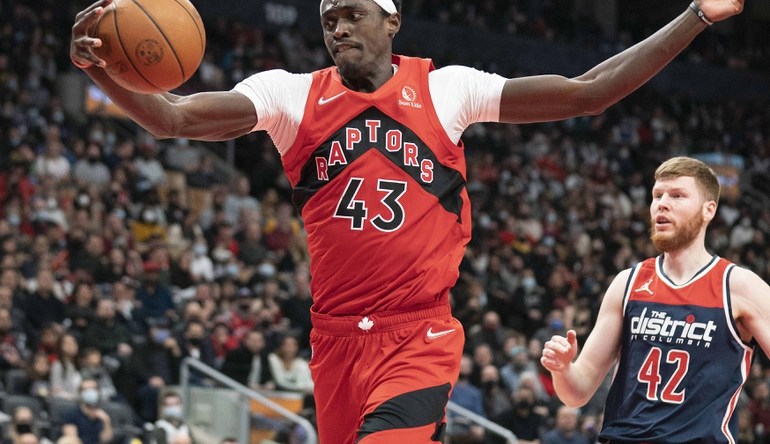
{"x": 387, "y": 5}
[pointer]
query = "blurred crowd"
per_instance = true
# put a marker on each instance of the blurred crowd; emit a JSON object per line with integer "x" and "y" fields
{"x": 121, "y": 255}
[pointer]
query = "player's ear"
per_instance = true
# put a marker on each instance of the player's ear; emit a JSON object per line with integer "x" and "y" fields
{"x": 709, "y": 210}
{"x": 393, "y": 22}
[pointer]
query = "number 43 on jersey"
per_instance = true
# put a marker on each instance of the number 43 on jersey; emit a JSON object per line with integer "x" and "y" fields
{"x": 357, "y": 210}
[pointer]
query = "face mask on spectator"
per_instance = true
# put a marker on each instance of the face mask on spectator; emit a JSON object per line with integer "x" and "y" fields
{"x": 528, "y": 283}
{"x": 23, "y": 427}
{"x": 200, "y": 249}
{"x": 90, "y": 397}
{"x": 523, "y": 405}
{"x": 172, "y": 412}
{"x": 266, "y": 269}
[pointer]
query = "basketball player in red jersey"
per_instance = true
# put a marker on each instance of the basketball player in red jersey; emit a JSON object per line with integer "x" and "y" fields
{"x": 682, "y": 328}
{"x": 372, "y": 149}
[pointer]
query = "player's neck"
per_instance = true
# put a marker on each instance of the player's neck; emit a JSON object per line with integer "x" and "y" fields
{"x": 682, "y": 265}
{"x": 370, "y": 82}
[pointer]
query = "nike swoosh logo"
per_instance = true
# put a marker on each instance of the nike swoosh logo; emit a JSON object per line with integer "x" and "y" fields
{"x": 322, "y": 101}
{"x": 431, "y": 335}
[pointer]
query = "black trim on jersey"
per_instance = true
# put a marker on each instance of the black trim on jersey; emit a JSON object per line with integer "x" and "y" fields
{"x": 447, "y": 184}
{"x": 660, "y": 258}
{"x": 409, "y": 410}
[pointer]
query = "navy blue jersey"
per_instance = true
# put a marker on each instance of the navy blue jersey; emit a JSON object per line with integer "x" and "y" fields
{"x": 682, "y": 363}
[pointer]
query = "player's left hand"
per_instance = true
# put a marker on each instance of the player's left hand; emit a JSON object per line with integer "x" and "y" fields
{"x": 559, "y": 352}
{"x": 718, "y": 10}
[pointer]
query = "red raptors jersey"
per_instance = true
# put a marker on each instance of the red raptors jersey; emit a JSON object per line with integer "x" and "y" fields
{"x": 381, "y": 189}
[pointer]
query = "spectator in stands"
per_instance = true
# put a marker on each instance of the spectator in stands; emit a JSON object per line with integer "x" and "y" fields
{"x": 154, "y": 296}
{"x": 149, "y": 170}
{"x": 554, "y": 326}
{"x": 290, "y": 372}
{"x": 149, "y": 229}
{"x": 240, "y": 200}
{"x": 93, "y": 366}
{"x": 127, "y": 309}
{"x": 490, "y": 331}
{"x": 80, "y": 311}
{"x": 90, "y": 172}
{"x": 171, "y": 425}
{"x": 195, "y": 342}
{"x": 204, "y": 176}
{"x": 105, "y": 333}
{"x": 518, "y": 363}
{"x": 746, "y": 434}
{"x": 47, "y": 341}
{"x": 17, "y": 316}
{"x": 201, "y": 268}
{"x": 530, "y": 304}
{"x": 65, "y": 371}
{"x": 522, "y": 419}
{"x": 89, "y": 260}
{"x": 37, "y": 380}
{"x": 282, "y": 228}
{"x": 88, "y": 421}
{"x": 53, "y": 163}
{"x": 222, "y": 342}
{"x": 496, "y": 397}
{"x": 566, "y": 431}
{"x": 23, "y": 428}
{"x": 163, "y": 353}
{"x": 759, "y": 406}
{"x": 468, "y": 396}
{"x": 43, "y": 307}
{"x": 296, "y": 305}
{"x": 248, "y": 364}
{"x": 483, "y": 355}
{"x": 252, "y": 251}
{"x": 12, "y": 345}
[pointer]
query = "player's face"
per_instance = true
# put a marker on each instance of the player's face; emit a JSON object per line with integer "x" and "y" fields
{"x": 676, "y": 213}
{"x": 357, "y": 34}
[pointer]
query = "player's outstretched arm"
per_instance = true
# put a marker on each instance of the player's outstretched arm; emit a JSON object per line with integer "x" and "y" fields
{"x": 553, "y": 97}
{"x": 204, "y": 116}
{"x": 575, "y": 382}
{"x": 750, "y": 297}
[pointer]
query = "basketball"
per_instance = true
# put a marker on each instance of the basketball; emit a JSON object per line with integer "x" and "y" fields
{"x": 151, "y": 46}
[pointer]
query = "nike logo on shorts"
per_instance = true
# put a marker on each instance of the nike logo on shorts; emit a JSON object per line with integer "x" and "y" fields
{"x": 431, "y": 335}
{"x": 322, "y": 101}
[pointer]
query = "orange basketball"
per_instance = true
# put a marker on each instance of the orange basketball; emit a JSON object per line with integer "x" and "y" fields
{"x": 151, "y": 46}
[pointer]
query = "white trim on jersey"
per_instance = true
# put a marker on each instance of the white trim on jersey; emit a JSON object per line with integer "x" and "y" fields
{"x": 747, "y": 355}
{"x": 726, "y": 306}
{"x": 667, "y": 280}
{"x": 461, "y": 97}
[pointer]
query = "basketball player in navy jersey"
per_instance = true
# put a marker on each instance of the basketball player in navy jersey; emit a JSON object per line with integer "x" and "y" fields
{"x": 681, "y": 328}
{"x": 372, "y": 149}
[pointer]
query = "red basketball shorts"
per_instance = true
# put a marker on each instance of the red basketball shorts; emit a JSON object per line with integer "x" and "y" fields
{"x": 385, "y": 378}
